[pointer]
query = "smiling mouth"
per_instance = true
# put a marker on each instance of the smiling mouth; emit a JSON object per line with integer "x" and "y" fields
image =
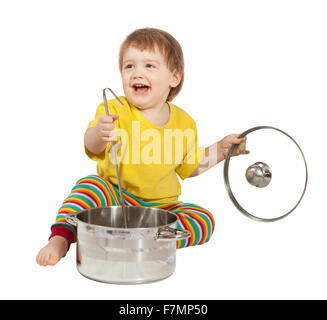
{"x": 141, "y": 88}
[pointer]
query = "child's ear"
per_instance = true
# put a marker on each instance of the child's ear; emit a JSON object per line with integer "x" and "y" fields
{"x": 177, "y": 76}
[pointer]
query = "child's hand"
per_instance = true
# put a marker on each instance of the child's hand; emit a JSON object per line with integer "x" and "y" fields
{"x": 225, "y": 144}
{"x": 106, "y": 127}
{"x": 218, "y": 152}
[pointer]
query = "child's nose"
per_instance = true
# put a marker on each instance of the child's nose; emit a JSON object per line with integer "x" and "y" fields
{"x": 137, "y": 73}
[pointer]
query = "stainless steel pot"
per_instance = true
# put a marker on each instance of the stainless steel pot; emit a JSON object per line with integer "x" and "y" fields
{"x": 143, "y": 252}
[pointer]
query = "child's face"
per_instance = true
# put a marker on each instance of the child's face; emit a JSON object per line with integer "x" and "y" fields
{"x": 146, "y": 78}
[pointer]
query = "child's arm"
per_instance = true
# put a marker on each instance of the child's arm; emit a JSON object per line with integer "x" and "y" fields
{"x": 217, "y": 152}
{"x": 96, "y": 138}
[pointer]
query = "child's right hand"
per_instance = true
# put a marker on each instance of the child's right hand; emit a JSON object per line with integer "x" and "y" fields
{"x": 106, "y": 127}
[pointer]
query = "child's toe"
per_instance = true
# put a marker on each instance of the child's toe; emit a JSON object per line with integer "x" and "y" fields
{"x": 53, "y": 259}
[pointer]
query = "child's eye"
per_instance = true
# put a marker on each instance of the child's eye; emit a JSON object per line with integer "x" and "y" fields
{"x": 149, "y": 65}
{"x": 129, "y": 66}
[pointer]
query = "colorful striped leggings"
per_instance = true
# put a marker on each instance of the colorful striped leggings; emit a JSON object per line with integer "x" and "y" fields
{"x": 93, "y": 191}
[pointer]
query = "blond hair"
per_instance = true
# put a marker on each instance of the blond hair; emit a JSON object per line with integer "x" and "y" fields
{"x": 149, "y": 39}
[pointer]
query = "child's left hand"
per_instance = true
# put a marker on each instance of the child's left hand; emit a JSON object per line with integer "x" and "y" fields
{"x": 225, "y": 144}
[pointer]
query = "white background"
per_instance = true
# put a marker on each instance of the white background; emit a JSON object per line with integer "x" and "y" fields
{"x": 248, "y": 63}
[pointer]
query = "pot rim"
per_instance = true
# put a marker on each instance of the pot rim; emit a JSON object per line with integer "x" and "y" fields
{"x": 76, "y": 214}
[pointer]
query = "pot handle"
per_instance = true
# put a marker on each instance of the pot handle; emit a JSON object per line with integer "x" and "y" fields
{"x": 71, "y": 218}
{"x": 168, "y": 234}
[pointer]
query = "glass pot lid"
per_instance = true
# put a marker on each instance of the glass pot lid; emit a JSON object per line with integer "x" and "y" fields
{"x": 270, "y": 182}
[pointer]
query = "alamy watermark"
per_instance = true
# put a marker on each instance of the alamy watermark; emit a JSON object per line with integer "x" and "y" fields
{"x": 156, "y": 146}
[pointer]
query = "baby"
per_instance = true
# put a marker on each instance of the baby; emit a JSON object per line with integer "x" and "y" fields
{"x": 155, "y": 141}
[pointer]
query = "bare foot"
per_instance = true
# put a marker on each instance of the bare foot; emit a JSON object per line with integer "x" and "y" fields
{"x": 52, "y": 252}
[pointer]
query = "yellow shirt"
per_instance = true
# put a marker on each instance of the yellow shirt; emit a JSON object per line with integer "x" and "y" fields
{"x": 149, "y": 156}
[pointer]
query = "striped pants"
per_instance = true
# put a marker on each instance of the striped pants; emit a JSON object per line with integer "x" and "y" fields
{"x": 93, "y": 191}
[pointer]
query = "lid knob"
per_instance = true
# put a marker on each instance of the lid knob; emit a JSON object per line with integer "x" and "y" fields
{"x": 258, "y": 174}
